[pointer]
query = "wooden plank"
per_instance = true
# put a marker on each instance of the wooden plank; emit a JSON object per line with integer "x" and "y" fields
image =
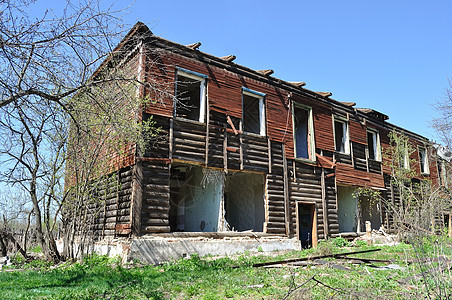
{"x": 324, "y": 204}
{"x": 137, "y": 192}
{"x": 286, "y": 189}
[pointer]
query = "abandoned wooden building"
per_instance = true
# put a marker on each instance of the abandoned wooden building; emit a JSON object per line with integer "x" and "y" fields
{"x": 242, "y": 153}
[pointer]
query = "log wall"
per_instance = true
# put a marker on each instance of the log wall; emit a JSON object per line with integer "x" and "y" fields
{"x": 109, "y": 208}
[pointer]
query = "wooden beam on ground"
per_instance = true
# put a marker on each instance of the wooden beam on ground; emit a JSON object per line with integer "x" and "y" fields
{"x": 312, "y": 258}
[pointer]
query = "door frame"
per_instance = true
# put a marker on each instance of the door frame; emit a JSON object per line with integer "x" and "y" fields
{"x": 314, "y": 220}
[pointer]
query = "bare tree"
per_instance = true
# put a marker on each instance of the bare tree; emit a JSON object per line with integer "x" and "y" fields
{"x": 443, "y": 123}
{"x": 52, "y": 57}
{"x": 44, "y": 62}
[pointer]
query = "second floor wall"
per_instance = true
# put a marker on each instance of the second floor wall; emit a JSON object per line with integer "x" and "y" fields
{"x": 309, "y": 124}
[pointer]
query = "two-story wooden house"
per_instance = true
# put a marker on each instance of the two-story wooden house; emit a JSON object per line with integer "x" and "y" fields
{"x": 242, "y": 153}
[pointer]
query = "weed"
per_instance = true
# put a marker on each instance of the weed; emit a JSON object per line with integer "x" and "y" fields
{"x": 341, "y": 242}
{"x": 103, "y": 277}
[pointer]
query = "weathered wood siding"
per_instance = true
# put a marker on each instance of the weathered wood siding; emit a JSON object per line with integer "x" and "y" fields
{"x": 323, "y": 128}
{"x": 358, "y": 132}
{"x": 305, "y": 186}
{"x": 346, "y": 174}
{"x": 109, "y": 207}
{"x": 155, "y": 197}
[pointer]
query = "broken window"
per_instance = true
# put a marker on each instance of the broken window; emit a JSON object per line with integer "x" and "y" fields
{"x": 253, "y": 112}
{"x": 442, "y": 172}
{"x": 190, "y": 95}
{"x": 406, "y": 158}
{"x": 206, "y": 200}
{"x": 244, "y": 195}
{"x": 373, "y": 145}
{"x": 423, "y": 160}
{"x": 303, "y": 135}
{"x": 341, "y": 136}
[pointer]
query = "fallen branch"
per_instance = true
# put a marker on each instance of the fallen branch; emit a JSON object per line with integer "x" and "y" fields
{"x": 310, "y": 258}
{"x": 292, "y": 290}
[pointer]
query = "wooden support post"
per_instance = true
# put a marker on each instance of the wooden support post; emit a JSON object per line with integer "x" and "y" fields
{"x": 286, "y": 191}
{"x": 351, "y": 154}
{"x": 392, "y": 200}
{"x": 368, "y": 229}
{"x": 241, "y": 144}
{"x": 170, "y": 139}
{"x": 225, "y": 151}
{"x": 294, "y": 170}
{"x": 266, "y": 205}
{"x": 206, "y": 161}
{"x": 450, "y": 224}
{"x": 118, "y": 185}
{"x": 324, "y": 204}
{"x": 137, "y": 195}
{"x": 367, "y": 158}
{"x": 269, "y": 156}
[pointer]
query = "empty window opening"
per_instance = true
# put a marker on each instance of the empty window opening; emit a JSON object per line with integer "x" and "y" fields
{"x": 205, "y": 200}
{"x": 347, "y": 207}
{"x": 195, "y": 199}
{"x": 353, "y": 213}
{"x": 369, "y": 210}
{"x": 302, "y": 121}
{"x": 190, "y": 94}
{"x": 341, "y": 136}
{"x": 373, "y": 145}
{"x": 253, "y": 112}
{"x": 244, "y": 202}
{"x": 423, "y": 159}
{"x": 406, "y": 159}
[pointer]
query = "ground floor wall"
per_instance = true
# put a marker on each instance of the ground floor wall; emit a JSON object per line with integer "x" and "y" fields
{"x": 158, "y": 249}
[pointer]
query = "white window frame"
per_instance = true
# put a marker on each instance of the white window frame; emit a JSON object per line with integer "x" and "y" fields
{"x": 261, "y": 97}
{"x": 311, "y": 139}
{"x": 345, "y": 133}
{"x": 376, "y": 139}
{"x": 406, "y": 159}
{"x": 425, "y": 162}
{"x": 202, "y": 93}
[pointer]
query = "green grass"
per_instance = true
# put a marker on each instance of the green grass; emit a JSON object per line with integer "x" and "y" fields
{"x": 195, "y": 278}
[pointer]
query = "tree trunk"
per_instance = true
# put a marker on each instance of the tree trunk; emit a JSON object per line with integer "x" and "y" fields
{"x": 3, "y": 249}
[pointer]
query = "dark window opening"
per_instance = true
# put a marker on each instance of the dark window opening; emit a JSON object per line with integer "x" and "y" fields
{"x": 251, "y": 114}
{"x": 371, "y": 145}
{"x": 188, "y": 95}
{"x": 301, "y": 118}
{"x": 340, "y": 136}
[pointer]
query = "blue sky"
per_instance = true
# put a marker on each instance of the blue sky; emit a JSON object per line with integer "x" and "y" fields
{"x": 392, "y": 56}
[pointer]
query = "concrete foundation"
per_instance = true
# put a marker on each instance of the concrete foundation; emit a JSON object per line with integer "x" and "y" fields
{"x": 156, "y": 250}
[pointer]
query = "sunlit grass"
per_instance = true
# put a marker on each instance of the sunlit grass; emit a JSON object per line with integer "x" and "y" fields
{"x": 102, "y": 277}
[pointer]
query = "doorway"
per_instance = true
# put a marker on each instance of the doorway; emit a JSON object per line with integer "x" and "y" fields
{"x": 307, "y": 221}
